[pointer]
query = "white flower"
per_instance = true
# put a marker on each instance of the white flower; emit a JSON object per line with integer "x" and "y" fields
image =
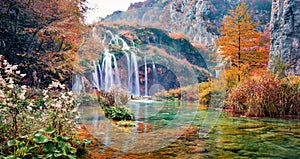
{"x": 22, "y": 95}
{"x": 5, "y": 62}
{"x": 29, "y": 108}
{"x": 24, "y": 87}
{"x": 2, "y": 95}
{"x": 9, "y": 71}
{"x": 11, "y": 81}
{"x": 10, "y": 86}
{"x": 18, "y": 72}
{"x": 70, "y": 93}
{"x": 23, "y": 75}
{"x": 62, "y": 86}
{"x": 14, "y": 67}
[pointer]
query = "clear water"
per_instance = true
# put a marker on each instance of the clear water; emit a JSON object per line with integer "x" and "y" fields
{"x": 180, "y": 130}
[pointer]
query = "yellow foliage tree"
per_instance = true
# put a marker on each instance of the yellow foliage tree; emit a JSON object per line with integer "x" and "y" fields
{"x": 239, "y": 42}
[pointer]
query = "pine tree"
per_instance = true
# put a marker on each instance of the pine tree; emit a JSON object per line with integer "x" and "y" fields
{"x": 239, "y": 41}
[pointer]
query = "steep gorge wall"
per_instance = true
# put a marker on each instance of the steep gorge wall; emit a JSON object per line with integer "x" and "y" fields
{"x": 197, "y": 19}
{"x": 285, "y": 35}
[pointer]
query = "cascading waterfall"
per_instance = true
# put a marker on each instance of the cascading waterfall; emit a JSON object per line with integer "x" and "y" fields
{"x": 77, "y": 85}
{"x": 136, "y": 84}
{"x": 110, "y": 77}
{"x": 97, "y": 76}
{"x": 154, "y": 72}
{"x": 129, "y": 84}
{"x": 113, "y": 38}
{"x": 125, "y": 46}
{"x": 99, "y": 71}
{"x": 106, "y": 75}
{"x": 146, "y": 77}
{"x": 117, "y": 75}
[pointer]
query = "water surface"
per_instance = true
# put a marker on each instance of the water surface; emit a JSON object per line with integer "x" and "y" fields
{"x": 180, "y": 130}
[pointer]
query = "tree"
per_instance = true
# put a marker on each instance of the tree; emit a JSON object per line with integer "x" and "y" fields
{"x": 42, "y": 36}
{"x": 239, "y": 42}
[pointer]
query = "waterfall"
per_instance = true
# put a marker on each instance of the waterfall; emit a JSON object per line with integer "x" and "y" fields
{"x": 124, "y": 46}
{"x": 106, "y": 74}
{"x": 129, "y": 86}
{"x": 96, "y": 76}
{"x": 99, "y": 71}
{"x": 110, "y": 76}
{"x": 154, "y": 72}
{"x": 135, "y": 83}
{"x": 77, "y": 85}
{"x": 113, "y": 38}
{"x": 146, "y": 77}
{"x": 117, "y": 76}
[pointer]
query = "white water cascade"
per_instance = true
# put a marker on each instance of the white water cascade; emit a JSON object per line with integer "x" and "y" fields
{"x": 135, "y": 90}
{"x": 146, "y": 77}
{"x": 97, "y": 76}
{"x": 110, "y": 76}
{"x": 154, "y": 72}
{"x": 125, "y": 46}
{"x": 106, "y": 74}
{"x": 77, "y": 85}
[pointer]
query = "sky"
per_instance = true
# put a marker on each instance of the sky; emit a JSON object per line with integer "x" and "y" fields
{"x": 103, "y": 8}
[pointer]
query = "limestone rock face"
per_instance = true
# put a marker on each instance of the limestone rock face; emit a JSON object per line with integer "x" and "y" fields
{"x": 285, "y": 35}
{"x": 199, "y": 20}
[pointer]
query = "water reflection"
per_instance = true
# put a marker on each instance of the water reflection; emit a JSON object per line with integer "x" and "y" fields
{"x": 168, "y": 130}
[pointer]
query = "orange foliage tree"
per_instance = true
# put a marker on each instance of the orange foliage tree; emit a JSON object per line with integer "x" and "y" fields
{"x": 42, "y": 36}
{"x": 240, "y": 45}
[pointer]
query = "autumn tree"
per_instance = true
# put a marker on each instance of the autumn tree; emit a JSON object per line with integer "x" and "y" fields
{"x": 42, "y": 36}
{"x": 239, "y": 43}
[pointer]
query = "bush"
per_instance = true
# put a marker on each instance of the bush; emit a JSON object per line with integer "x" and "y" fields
{"x": 118, "y": 113}
{"x": 114, "y": 97}
{"x": 188, "y": 93}
{"x": 205, "y": 92}
{"x": 22, "y": 113}
{"x": 266, "y": 96}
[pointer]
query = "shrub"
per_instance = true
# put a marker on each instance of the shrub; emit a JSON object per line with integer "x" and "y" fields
{"x": 187, "y": 93}
{"x": 114, "y": 97}
{"x": 266, "y": 96}
{"x": 23, "y": 114}
{"x": 205, "y": 92}
{"x": 118, "y": 113}
{"x": 113, "y": 103}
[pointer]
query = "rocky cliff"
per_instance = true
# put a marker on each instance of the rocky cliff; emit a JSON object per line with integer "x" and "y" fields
{"x": 197, "y": 19}
{"x": 285, "y": 35}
